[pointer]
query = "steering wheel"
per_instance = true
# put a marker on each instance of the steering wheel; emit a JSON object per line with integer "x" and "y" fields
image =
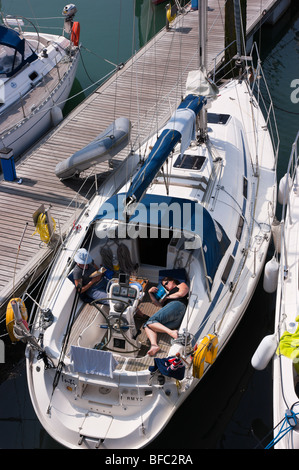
{"x": 119, "y": 324}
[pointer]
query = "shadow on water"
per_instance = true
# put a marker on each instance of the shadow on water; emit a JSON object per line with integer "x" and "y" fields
{"x": 77, "y": 95}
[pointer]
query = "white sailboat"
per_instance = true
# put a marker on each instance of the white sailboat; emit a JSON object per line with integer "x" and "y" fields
{"x": 37, "y": 71}
{"x": 283, "y": 344}
{"x": 197, "y": 206}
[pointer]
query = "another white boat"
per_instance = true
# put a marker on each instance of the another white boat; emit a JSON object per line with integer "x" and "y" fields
{"x": 37, "y": 71}
{"x": 196, "y": 203}
{"x": 284, "y": 342}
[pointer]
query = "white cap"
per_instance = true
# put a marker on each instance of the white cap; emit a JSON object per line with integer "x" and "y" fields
{"x": 82, "y": 256}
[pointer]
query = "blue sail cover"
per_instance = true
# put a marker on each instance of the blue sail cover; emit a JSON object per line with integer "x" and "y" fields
{"x": 11, "y": 39}
{"x": 171, "y": 213}
{"x": 159, "y": 153}
{"x": 181, "y": 123}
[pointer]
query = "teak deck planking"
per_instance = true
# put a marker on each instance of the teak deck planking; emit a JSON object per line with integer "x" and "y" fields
{"x": 153, "y": 71}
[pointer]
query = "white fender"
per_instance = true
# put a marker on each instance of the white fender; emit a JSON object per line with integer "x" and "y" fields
{"x": 283, "y": 183}
{"x": 271, "y": 276}
{"x": 56, "y": 115}
{"x": 264, "y": 352}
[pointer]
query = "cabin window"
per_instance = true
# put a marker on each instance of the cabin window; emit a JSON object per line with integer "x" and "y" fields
{"x": 240, "y": 228}
{"x": 245, "y": 187}
{"x": 189, "y": 162}
{"x": 227, "y": 269}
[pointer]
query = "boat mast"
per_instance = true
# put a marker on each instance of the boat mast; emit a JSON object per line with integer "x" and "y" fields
{"x": 202, "y": 28}
{"x": 238, "y": 27}
{"x": 202, "y": 33}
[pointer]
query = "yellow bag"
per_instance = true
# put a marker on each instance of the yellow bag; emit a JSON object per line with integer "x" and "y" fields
{"x": 42, "y": 228}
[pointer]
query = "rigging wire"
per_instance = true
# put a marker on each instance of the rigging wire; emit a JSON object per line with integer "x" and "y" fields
{"x": 60, "y": 364}
{"x": 66, "y": 336}
{"x": 132, "y": 60}
{"x": 83, "y": 64}
{"x": 160, "y": 103}
{"x": 57, "y": 250}
{"x": 118, "y": 53}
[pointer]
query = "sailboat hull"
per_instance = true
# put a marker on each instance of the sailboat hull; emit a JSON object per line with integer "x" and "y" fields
{"x": 193, "y": 207}
{"x": 285, "y": 358}
{"x": 31, "y": 130}
{"x": 130, "y": 407}
{"x": 33, "y": 111}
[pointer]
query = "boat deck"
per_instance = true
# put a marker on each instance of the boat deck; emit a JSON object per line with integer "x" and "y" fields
{"x": 158, "y": 68}
{"x": 23, "y": 107}
{"x": 142, "y": 360}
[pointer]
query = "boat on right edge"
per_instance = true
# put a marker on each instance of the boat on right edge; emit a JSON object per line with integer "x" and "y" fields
{"x": 285, "y": 339}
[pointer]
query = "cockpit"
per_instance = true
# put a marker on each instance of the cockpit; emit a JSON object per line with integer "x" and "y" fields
{"x": 114, "y": 327}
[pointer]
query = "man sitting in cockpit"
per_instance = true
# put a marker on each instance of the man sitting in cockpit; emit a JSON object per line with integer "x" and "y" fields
{"x": 90, "y": 283}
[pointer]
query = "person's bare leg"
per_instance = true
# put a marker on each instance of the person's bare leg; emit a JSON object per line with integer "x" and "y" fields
{"x": 152, "y": 336}
{"x": 159, "y": 328}
{"x": 151, "y": 333}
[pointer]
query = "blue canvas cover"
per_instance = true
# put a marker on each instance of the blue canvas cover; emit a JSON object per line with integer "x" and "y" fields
{"x": 173, "y": 213}
{"x": 158, "y": 155}
{"x": 11, "y": 39}
{"x": 171, "y": 366}
{"x": 171, "y": 134}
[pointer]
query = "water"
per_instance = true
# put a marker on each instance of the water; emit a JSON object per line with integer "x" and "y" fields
{"x": 109, "y": 32}
{"x": 232, "y": 407}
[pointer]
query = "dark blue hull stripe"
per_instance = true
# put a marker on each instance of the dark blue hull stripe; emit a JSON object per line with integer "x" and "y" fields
{"x": 220, "y": 288}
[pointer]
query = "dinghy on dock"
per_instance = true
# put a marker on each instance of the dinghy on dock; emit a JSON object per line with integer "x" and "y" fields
{"x": 105, "y": 146}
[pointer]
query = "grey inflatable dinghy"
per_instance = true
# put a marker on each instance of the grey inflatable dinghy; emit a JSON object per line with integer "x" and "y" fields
{"x": 107, "y": 144}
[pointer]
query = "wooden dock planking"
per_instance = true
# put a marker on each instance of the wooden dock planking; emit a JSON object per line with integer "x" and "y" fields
{"x": 155, "y": 71}
{"x": 260, "y": 11}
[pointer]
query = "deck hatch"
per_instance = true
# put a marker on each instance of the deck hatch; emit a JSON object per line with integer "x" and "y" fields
{"x": 214, "y": 118}
{"x": 189, "y": 162}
